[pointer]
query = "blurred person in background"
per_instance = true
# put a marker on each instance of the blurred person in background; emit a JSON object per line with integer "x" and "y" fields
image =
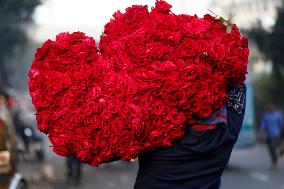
{"x": 271, "y": 126}
{"x": 31, "y": 138}
{"x": 9, "y": 176}
{"x": 20, "y": 128}
{"x": 74, "y": 169}
{"x": 7, "y": 132}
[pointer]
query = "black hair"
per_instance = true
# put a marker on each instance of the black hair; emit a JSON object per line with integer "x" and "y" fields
{"x": 3, "y": 92}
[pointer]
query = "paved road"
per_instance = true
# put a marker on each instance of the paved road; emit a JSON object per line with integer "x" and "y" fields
{"x": 248, "y": 169}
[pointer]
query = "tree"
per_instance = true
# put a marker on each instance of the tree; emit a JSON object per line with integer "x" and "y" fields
{"x": 14, "y": 16}
{"x": 271, "y": 43}
{"x": 276, "y": 45}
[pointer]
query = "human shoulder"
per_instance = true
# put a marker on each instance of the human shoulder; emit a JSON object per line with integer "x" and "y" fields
{"x": 279, "y": 113}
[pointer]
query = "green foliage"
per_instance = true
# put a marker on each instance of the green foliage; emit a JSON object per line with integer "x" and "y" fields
{"x": 19, "y": 65}
{"x": 271, "y": 43}
{"x": 227, "y": 22}
{"x": 14, "y": 15}
{"x": 276, "y": 46}
{"x": 267, "y": 89}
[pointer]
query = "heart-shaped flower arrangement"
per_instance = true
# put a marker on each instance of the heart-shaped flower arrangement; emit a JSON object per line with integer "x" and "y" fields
{"x": 154, "y": 74}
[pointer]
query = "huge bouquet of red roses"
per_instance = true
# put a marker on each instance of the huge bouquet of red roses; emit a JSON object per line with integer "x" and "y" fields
{"x": 153, "y": 75}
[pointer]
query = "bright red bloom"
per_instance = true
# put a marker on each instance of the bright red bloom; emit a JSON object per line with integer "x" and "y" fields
{"x": 154, "y": 73}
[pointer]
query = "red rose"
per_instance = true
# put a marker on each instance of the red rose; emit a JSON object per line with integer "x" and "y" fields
{"x": 189, "y": 48}
{"x": 197, "y": 26}
{"x": 162, "y": 7}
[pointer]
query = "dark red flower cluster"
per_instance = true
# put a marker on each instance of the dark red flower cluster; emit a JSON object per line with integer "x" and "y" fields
{"x": 154, "y": 73}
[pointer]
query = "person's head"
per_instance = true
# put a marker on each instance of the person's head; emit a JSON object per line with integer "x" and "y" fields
{"x": 3, "y": 92}
{"x": 271, "y": 106}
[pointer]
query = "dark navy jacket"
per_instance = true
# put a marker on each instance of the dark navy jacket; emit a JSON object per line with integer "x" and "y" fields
{"x": 198, "y": 160}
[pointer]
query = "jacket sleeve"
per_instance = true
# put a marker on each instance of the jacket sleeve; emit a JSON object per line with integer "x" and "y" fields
{"x": 263, "y": 124}
{"x": 224, "y": 136}
{"x": 236, "y": 109}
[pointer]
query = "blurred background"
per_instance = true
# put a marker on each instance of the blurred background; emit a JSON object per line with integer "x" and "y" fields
{"x": 25, "y": 155}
